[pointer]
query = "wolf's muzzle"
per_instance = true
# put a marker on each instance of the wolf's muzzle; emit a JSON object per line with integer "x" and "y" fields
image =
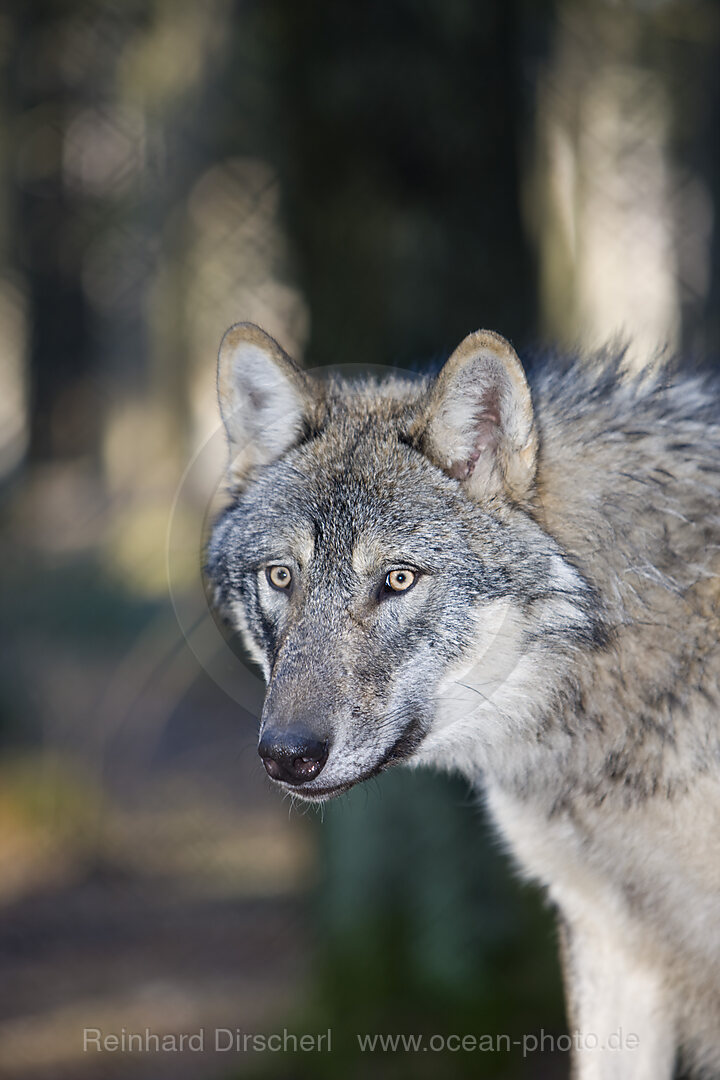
{"x": 294, "y": 757}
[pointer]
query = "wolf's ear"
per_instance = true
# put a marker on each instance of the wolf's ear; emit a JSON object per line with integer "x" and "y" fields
{"x": 479, "y": 426}
{"x": 264, "y": 398}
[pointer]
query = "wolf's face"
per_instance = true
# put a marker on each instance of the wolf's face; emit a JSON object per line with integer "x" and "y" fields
{"x": 379, "y": 563}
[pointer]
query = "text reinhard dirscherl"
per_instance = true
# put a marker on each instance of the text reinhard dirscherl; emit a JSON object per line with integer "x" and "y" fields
{"x": 222, "y": 1040}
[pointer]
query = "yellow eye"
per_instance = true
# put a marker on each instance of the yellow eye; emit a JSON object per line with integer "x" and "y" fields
{"x": 400, "y": 580}
{"x": 279, "y": 577}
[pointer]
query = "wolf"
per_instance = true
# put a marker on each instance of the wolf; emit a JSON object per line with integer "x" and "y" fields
{"x": 517, "y": 578}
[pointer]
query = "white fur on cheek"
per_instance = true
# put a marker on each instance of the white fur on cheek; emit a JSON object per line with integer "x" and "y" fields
{"x": 249, "y": 642}
{"x": 483, "y": 706}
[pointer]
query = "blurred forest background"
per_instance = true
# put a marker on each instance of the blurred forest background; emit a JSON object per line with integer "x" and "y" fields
{"x": 369, "y": 182}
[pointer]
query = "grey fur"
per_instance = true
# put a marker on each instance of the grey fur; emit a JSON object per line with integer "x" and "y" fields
{"x": 560, "y": 645}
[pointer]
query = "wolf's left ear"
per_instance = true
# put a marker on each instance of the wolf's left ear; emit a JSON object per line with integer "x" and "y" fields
{"x": 264, "y": 399}
{"x": 478, "y": 424}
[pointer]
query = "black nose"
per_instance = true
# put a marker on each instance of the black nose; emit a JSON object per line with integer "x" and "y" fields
{"x": 292, "y": 756}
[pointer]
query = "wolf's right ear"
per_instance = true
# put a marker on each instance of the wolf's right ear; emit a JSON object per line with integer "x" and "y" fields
{"x": 264, "y": 398}
{"x": 478, "y": 421}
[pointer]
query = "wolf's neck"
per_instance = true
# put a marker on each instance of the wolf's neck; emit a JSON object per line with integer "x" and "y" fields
{"x": 622, "y": 488}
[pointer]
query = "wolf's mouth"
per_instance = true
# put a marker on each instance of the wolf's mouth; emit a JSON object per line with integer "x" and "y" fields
{"x": 323, "y": 794}
{"x": 404, "y": 747}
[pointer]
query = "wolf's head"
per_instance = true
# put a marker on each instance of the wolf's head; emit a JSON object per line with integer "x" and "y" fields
{"x": 383, "y": 563}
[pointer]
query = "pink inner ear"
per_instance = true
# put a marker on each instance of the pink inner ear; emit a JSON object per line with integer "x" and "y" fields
{"x": 485, "y": 433}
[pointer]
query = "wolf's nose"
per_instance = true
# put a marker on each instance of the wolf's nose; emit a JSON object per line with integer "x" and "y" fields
{"x": 292, "y": 756}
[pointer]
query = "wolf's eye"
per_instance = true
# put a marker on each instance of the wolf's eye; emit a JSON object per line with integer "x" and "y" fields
{"x": 400, "y": 580}
{"x": 279, "y": 577}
